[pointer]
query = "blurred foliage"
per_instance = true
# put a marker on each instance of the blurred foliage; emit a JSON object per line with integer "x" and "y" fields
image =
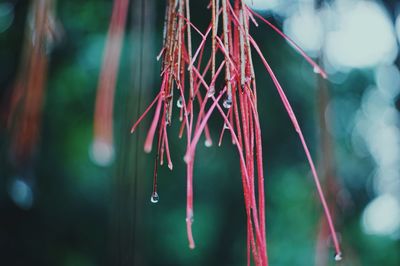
{"x": 72, "y": 221}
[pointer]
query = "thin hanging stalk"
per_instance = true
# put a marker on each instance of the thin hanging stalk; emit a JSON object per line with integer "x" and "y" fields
{"x": 26, "y": 101}
{"x": 189, "y": 44}
{"x": 104, "y": 107}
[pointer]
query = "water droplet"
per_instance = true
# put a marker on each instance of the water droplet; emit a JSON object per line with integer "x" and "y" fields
{"x": 186, "y": 158}
{"x": 317, "y": 70}
{"x": 154, "y": 197}
{"x": 101, "y": 152}
{"x": 338, "y": 256}
{"x": 190, "y": 219}
{"x": 21, "y": 193}
{"x": 227, "y": 103}
{"x": 226, "y": 126}
{"x": 160, "y": 54}
{"x": 179, "y": 103}
{"x": 208, "y": 143}
{"x": 211, "y": 91}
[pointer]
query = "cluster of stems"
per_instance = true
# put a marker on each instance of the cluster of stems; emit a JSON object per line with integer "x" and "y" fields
{"x": 221, "y": 83}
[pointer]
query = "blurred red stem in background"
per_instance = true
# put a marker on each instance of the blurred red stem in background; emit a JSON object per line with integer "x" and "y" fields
{"x": 103, "y": 116}
{"x": 27, "y": 97}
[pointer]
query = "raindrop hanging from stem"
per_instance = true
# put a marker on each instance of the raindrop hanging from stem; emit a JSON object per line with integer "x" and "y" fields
{"x": 154, "y": 197}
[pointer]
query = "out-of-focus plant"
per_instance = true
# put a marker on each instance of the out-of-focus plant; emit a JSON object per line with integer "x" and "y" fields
{"x": 26, "y": 99}
{"x": 103, "y": 147}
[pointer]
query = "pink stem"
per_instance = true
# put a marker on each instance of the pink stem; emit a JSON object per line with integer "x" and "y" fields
{"x": 292, "y": 116}
{"x": 145, "y": 113}
{"x": 150, "y": 135}
{"x": 316, "y": 67}
{"x": 167, "y": 149}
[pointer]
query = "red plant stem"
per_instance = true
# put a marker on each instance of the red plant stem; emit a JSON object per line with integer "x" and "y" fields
{"x": 248, "y": 48}
{"x": 260, "y": 185}
{"x": 103, "y": 119}
{"x": 292, "y": 116}
{"x": 179, "y": 40}
{"x": 145, "y": 112}
{"x": 259, "y": 240}
{"x": 190, "y": 150}
{"x": 251, "y": 201}
{"x": 298, "y": 130}
{"x": 189, "y": 189}
{"x": 162, "y": 150}
{"x": 227, "y": 48}
{"x": 261, "y": 196}
{"x": 208, "y": 89}
{"x": 316, "y": 67}
{"x": 189, "y": 204}
{"x": 223, "y": 128}
{"x": 200, "y": 100}
{"x": 170, "y": 165}
{"x": 259, "y": 159}
{"x": 189, "y": 158}
{"x": 260, "y": 171}
{"x": 200, "y": 46}
{"x": 157, "y": 157}
{"x": 189, "y": 37}
{"x": 24, "y": 110}
{"x": 238, "y": 127}
{"x": 206, "y": 129}
{"x": 240, "y": 89}
{"x": 214, "y": 33}
{"x": 150, "y": 135}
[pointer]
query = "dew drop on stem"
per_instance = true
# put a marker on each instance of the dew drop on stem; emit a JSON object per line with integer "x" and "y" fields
{"x": 227, "y": 103}
{"x": 211, "y": 91}
{"x": 190, "y": 219}
{"x": 317, "y": 70}
{"x": 154, "y": 197}
{"x": 338, "y": 256}
{"x": 179, "y": 103}
{"x": 208, "y": 143}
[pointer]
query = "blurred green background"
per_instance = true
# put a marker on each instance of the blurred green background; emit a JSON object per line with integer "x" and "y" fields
{"x": 73, "y": 212}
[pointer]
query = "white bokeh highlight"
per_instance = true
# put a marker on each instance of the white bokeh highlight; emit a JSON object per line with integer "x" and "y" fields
{"x": 364, "y": 36}
{"x": 101, "y": 152}
{"x": 382, "y": 216}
